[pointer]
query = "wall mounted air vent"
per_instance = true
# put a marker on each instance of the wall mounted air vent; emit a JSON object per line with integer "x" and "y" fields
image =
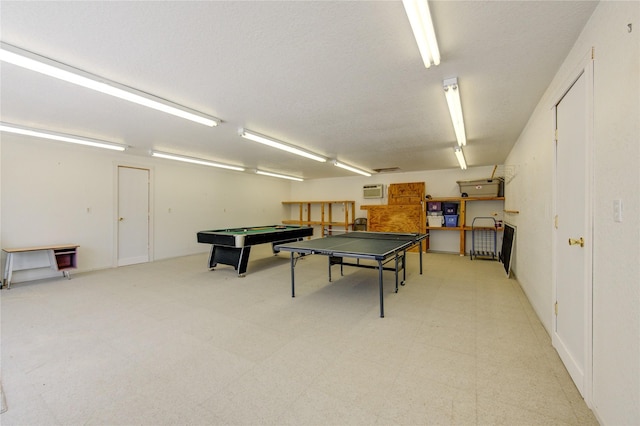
{"x": 373, "y": 191}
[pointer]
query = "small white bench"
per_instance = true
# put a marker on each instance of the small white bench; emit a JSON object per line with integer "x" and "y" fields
{"x": 62, "y": 258}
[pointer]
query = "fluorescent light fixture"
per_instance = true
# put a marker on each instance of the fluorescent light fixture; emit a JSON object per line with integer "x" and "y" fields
{"x": 34, "y": 62}
{"x": 194, "y": 161}
{"x": 460, "y": 156}
{"x": 452, "y": 93}
{"x": 350, "y": 168}
{"x": 257, "y": 137}
{"x": 61, "y": 137}
{"x": 260, "y": 172}
{"x": 422, "y": 26}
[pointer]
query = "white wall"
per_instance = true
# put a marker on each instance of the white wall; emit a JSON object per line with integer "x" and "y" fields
{"x": 616, "y": 255}
{"x": 438, "y": 183}
{"x": 47, "y": 188}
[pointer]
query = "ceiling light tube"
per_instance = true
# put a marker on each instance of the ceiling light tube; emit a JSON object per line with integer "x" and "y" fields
{"x": 260, "y": 172}
{"x": 43, "y": 65}
{"x": 452, "y": 93}
{"x": 257, "y": 137}
{"x": 460, "y": 156}
{"x": 422, "y": 26}
{"x": 61, "y": 137}
{"x": 194, "y": 161}
{"x": 351, "y": 169}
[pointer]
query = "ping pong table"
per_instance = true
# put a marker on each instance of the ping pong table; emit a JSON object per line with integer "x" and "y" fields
{"x": 381, "y": 247}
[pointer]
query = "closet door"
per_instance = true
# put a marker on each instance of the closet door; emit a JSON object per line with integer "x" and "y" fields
{"x": 572, "y": 334}
{"x": 133, "y": 215}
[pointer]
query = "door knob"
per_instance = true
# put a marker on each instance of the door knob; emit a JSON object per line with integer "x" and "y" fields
{"x": 121, "y": 219}
{"x": 578, "y": 242}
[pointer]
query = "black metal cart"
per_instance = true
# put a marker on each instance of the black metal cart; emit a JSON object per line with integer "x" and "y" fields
{"x": 484, "y": 238}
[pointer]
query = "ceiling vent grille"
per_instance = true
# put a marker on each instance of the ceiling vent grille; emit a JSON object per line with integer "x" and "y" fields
{"x": 387, "y": 170}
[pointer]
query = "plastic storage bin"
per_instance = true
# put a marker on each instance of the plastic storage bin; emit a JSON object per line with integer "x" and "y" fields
{"x": 435, "y": 221}
{"x": 450, "y": 208}
{"x": 480, "y": 188}
{"x": 451, "y": 220}
{"x": 434, "y": 206}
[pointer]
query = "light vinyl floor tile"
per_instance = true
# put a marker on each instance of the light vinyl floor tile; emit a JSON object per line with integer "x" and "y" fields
{"x": 172, "y": 343}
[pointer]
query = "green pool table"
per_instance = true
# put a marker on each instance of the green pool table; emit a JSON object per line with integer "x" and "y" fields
{"x": 232, "y": 246}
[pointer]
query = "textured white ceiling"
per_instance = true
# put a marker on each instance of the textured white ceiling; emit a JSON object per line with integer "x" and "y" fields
{"x": 342, "y": 79}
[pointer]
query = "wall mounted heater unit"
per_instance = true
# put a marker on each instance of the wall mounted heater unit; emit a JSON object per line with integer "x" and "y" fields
{"x": 373, "y": 191}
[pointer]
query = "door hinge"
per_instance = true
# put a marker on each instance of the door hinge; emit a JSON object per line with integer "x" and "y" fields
{"x": 555, "y": 308}
{"x": 556, "y": 135}
{"x": 555, "y": 221}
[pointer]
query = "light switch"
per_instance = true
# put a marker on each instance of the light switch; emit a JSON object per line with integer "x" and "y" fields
{"x": 617, "y": 210}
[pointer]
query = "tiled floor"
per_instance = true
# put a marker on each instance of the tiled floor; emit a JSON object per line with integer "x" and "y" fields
{"x": 171, "y": 342}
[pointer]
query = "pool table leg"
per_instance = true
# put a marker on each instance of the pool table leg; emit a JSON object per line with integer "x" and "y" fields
{"x": 212, "y": 263}
{"x": 238, "y": 257}
{"x": 243, "y": 261}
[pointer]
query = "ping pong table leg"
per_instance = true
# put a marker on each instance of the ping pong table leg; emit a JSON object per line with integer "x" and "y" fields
{"x": 334, "y": 260}
{"x": 293, "y": 278}
{"x": 400, "y": 262}
{"x": 404, "y": 267}
{"x": 396, "y": 272}
{"x": 420, "y": 257}
{"x": 381, "y": 289}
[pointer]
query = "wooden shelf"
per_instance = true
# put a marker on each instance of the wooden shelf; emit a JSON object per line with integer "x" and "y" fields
{"x": 325, "y": 209}
{"x": 462, "y": 210}
{"x": 461, "y": 228}
{"x": 318, "y": 202}
{"x": 314, "y": 222}
{"x": 458, "y": 199}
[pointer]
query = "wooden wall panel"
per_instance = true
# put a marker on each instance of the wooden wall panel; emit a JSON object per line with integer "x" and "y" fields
{"x": 396, "y": 218}
{"x": 405, "y": 211}
{"x": 406, "y": 193}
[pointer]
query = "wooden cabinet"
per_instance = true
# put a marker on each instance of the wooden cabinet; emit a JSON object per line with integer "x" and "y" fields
{"x": 464, "y": 222}
{"x": 324, "y": 214}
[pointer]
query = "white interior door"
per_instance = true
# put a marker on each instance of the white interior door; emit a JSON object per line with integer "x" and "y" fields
{"x": 572, "y": 331}
{"x": 133, "y": 215}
